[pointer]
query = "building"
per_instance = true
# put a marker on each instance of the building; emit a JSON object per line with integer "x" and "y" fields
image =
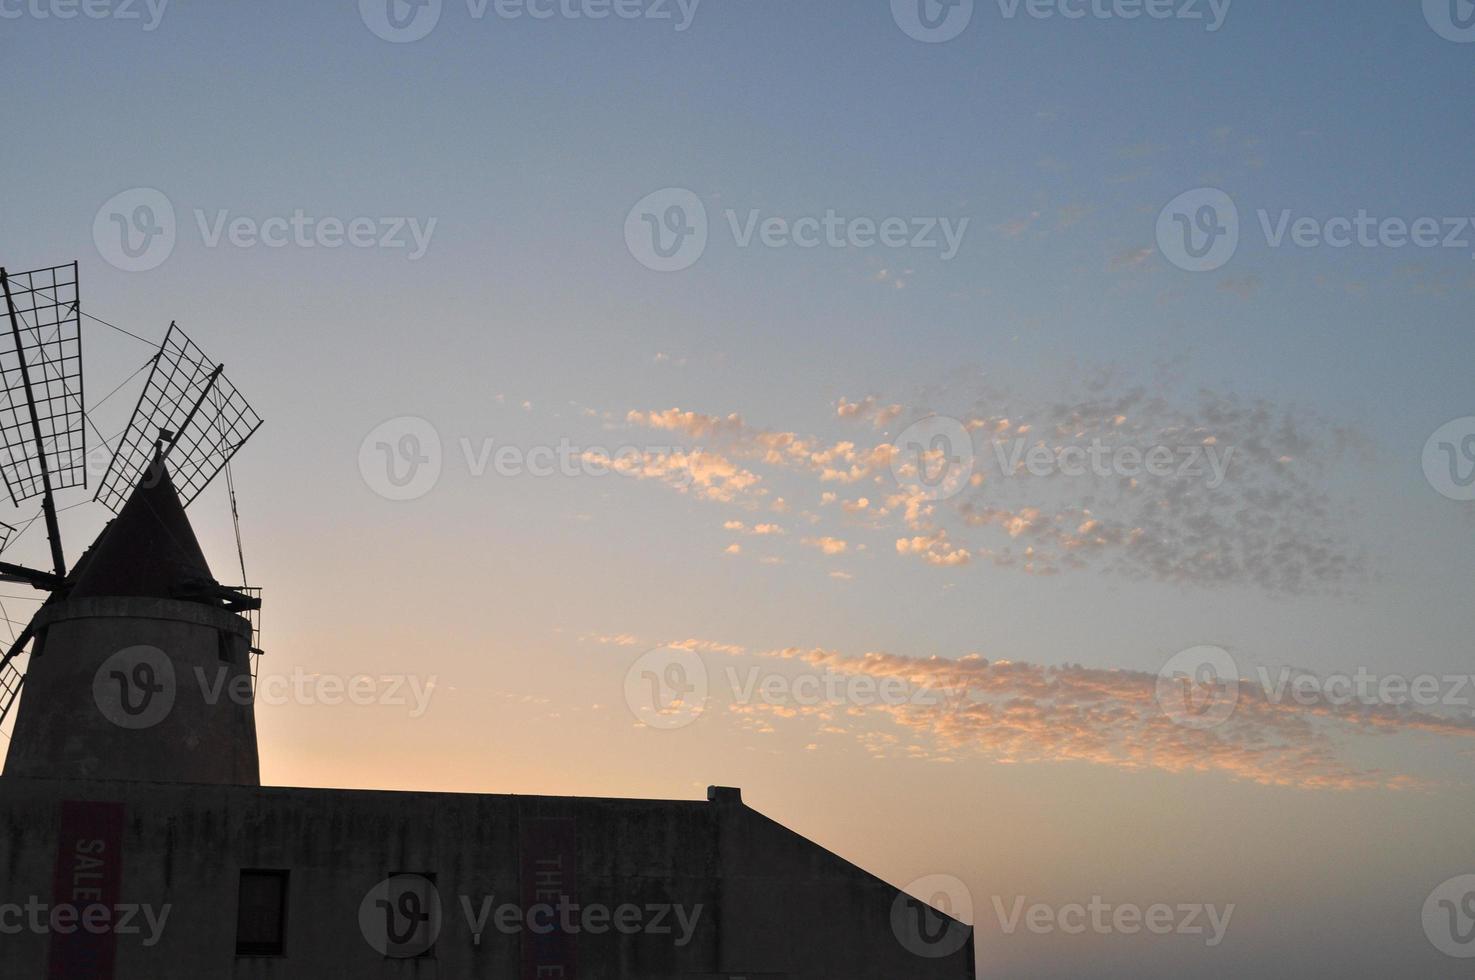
{"x": 137, "y": 843}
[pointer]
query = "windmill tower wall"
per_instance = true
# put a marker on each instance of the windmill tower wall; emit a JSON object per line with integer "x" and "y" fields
{"x": 138, "y": 688}
{"x": 138, "y": 671}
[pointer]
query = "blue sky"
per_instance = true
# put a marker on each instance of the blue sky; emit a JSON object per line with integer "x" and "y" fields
{"x": 528, "y": 321}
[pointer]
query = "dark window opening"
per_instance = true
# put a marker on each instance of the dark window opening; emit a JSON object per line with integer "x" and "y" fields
{"x": 226, "y": 646}
{"x": 261, "y": 915}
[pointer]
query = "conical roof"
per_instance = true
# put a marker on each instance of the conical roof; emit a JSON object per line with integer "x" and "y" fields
{"x": 148, "y": 550}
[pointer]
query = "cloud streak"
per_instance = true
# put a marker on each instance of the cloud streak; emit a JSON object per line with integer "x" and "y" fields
{"x": 1008, "y": 712}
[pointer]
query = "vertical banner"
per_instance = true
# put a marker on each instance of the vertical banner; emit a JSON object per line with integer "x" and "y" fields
{"x": 85, "y": 891}
{"x": 550, "y": 899}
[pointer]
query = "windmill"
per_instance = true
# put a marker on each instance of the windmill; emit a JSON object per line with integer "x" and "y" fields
{"x": 189, "y": 418}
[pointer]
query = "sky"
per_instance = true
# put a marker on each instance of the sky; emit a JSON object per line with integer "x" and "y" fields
{"x": 761, "y": 394}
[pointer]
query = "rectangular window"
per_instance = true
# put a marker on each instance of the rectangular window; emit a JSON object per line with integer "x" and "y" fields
{"x": 261, "y": 915}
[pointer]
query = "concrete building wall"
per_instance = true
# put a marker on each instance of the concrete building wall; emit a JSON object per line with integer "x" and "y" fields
{"x": 758, "y": 901}
{"x": 137, "y": 688}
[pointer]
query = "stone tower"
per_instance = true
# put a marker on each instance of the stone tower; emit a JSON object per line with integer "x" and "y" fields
{"x": 138, "y": 669}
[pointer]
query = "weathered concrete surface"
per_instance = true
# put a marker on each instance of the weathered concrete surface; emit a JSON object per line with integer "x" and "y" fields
{"x": 205, "y": 736}
{"x": 764, "y": 902}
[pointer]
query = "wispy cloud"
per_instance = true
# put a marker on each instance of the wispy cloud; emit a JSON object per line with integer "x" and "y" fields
{"x": 1246, "y": 499}
{"x": 1007, "y": 712}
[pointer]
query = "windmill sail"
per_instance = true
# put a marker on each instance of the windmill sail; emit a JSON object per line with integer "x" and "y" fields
{"x": 11, "y": 680}
{"x": 42, "y": 437}
{"x": 190, "y": 406}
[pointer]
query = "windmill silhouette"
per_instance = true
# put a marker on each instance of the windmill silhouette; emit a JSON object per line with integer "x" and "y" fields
{"x": 188, "y": 423}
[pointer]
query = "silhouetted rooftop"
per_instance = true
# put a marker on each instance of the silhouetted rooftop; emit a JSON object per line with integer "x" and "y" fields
{"x": 149, "y": 549}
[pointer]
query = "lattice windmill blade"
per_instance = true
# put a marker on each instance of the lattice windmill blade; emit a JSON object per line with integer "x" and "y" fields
{"x": 46, "y": 358}
{"x": 43, "y": 441}
{"x": 12, "y": 678}
{"x": 191, "y": 406}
